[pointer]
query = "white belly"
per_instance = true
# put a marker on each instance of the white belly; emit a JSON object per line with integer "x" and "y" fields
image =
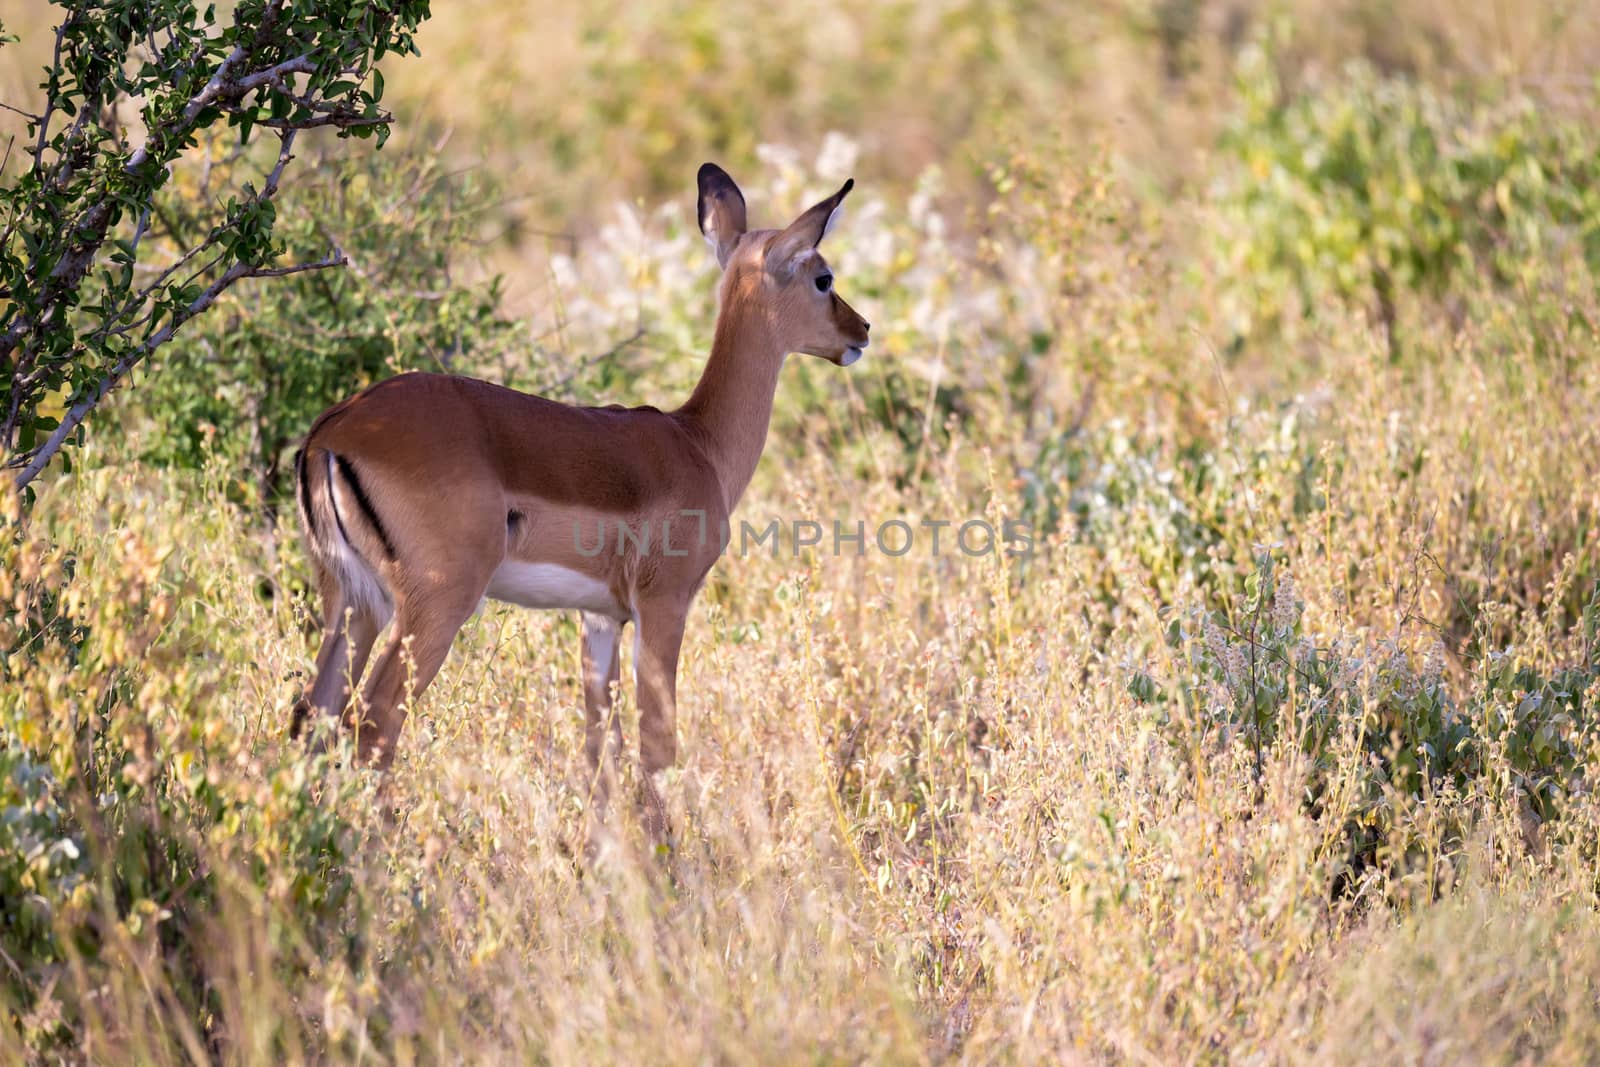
{"x": 547, "y": 585}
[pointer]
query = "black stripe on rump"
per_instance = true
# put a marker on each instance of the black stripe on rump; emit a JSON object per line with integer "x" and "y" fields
{"x": 349, "y": 474}
{"x": 333, "y": 506}
{"x": 305, "y": 491}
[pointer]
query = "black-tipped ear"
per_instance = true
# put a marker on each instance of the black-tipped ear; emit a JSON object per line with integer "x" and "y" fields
{"x": 720, "y": 209}
{"x": 806, "y": 232}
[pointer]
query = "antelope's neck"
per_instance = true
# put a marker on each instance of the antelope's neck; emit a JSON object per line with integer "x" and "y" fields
{"x": 731, "y": 407}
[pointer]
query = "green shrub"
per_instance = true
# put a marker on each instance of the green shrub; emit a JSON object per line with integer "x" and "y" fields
{"x": 1369, "y": 188}
{"x": 116, "y": 116}
{"x": 246, "y": 381}
{"x": 133, "y": 822}
{"x": 1379, "y": 732}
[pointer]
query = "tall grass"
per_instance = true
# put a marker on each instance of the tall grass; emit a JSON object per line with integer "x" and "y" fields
{"x": 1278, "y": 747}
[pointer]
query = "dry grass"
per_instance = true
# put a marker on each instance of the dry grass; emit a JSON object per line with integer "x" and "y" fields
{"x": 929, "y": 809}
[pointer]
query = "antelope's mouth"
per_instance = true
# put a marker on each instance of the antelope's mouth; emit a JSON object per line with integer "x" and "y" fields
{"x": 851, "y": 354}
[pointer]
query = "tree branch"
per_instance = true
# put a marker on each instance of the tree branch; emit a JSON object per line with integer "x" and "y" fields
{"x": 85, "y": 178}
{"x": 75, "y": 415}
{"x": 334, "y": 259}
{"x": 49, "y": 105}
{"x": 40, "y": 457}
{"x": 342, "y": 120}
{"x": 91, "y": 231}
{"x": 300, "y": 64}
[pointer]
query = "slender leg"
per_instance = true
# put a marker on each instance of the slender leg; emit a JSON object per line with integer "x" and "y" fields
{"x": 332, "y": 654}
{"x": 347, "y": 636}
{"x": 343, "y": 659}
{"x": 431, "y": 628}
{"x": 660, "y": 637}
{"x": 364, "y": 630}
{"x": 602, "y": 663}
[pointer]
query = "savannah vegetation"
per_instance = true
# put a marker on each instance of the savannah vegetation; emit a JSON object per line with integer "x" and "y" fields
{"x": 1275, "y": 322}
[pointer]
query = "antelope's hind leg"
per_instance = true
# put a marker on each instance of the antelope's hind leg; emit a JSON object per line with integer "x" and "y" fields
{"x": 426, "y": 621}
{"x": 602, "y": 665}
{"x": 349, "y": 631}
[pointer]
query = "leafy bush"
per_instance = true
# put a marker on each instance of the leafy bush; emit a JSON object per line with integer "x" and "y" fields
{"x": 126, "y": 826}
{"x": 80, "y": 219}
{"x": 1371, "y": 188}
{"x": 246, "y": 381}
{"x": 1378, "y": 732}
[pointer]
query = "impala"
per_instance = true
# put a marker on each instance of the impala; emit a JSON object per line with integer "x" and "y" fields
{"x": 426, "y": 493}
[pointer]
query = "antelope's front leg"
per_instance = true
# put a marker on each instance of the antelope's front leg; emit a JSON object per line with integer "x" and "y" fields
{"x": 602, "y": 663}
{"x": 660, "y": 637}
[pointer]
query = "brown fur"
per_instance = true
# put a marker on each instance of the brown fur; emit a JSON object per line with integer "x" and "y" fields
{"x": 462, "y": 476}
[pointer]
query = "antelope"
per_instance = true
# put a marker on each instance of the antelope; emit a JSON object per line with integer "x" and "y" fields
{"x": 427, "y": 493}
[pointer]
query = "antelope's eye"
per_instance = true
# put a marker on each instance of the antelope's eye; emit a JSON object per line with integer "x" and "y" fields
{"x": 824, "y": 282}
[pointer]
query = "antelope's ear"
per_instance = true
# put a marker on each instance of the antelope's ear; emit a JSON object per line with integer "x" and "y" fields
{"x": 805, "y": 233}
{"x": 721, "y": 211}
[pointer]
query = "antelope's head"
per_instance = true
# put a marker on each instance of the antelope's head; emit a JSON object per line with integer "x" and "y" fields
{"x": 782, "y": 270}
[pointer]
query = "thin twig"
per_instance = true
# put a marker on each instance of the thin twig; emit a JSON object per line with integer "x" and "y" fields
{"x": 334, "y": 259}
{"x": 40, "y": 457}
{"x": 590, "y": 361}
{"x": 50, "y": 100}
{"x": 342, "y": 120}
